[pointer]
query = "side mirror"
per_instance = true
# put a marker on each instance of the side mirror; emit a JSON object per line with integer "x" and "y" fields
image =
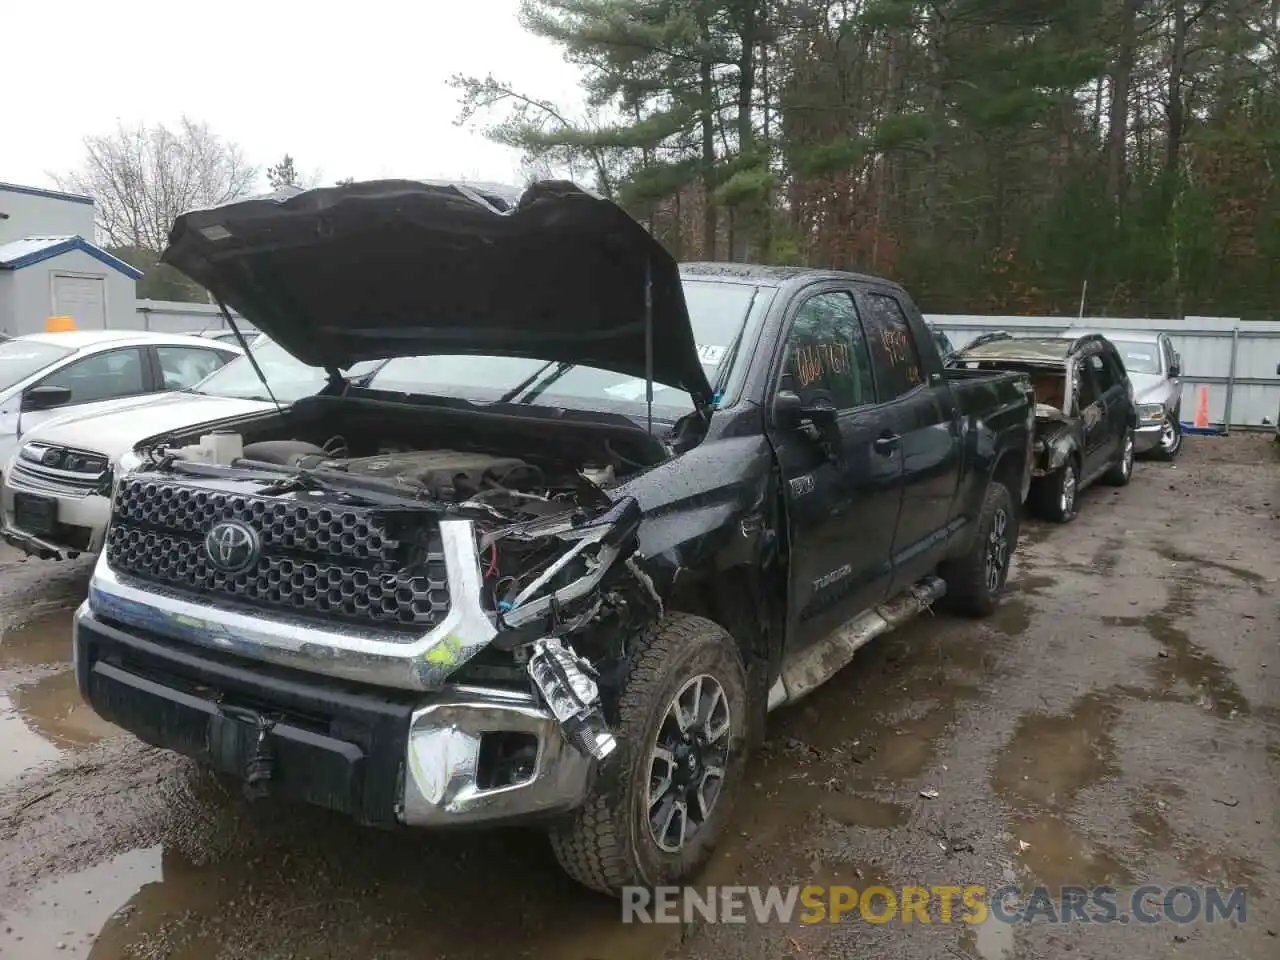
{"x": 45, "y": 398}
{"x": 1175, "y": 368}
{"x": 1278, "y": 369}
{"x": 792, "y": 411}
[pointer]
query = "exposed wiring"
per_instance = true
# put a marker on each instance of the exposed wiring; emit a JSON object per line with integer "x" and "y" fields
{"x": 493, "y": 560}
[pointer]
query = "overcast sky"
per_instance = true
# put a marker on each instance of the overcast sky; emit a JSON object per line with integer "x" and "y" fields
{"x": 353, "y": 89}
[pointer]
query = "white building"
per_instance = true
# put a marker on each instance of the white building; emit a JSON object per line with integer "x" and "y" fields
{"x": 50, "y": 267}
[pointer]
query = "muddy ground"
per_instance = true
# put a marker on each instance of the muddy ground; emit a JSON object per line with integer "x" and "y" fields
{"x": 1116, "y": 722}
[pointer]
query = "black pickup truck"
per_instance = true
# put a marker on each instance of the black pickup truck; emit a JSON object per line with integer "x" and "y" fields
{"x": 640, "y": 506}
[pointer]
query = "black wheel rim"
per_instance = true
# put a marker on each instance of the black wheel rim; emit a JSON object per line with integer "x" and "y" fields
{"x": 687, "y": 763}
{"x": 997, "y": 567}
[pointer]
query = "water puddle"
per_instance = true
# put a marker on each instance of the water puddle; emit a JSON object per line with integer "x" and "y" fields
{"x": 62, "y": 917}
{"x": 1049, "y": 760}
{"x": 20, "y": 747}
{"x": 1053, "y": 756}
{"x": 856, "y": 811}
{"x": 1051, "y": 851}
{"x": 52, "y": 708}
{"x": 990, "y": 940}
{"x": 1012, "y": 617}
{"x": 39, "y": 721}
{"x": 43, "y": 639}
{"x": 1183, "y": 659}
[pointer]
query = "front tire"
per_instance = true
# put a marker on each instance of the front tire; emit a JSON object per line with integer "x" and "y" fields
{"x": 1170, "y": 438}
{"x": 656, "y": 812}
{"x": 1122, "y": 470}
{"x": 1053, "y": 498}
{"x": 975, "y": 580}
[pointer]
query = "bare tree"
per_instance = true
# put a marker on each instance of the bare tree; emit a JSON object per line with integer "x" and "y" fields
{"x": 143, "y": 177}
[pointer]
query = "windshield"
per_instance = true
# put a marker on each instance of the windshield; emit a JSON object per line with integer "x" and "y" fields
{"x": 718, "y": 311}
{"x": 1139, "y": 357}
{"x": 290, "y": 378}
{"x": 19, "y": 359}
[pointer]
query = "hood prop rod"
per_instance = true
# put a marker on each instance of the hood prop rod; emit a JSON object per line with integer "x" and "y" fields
{"x": 648, "y": 340}
{"x": 253, "y": 361}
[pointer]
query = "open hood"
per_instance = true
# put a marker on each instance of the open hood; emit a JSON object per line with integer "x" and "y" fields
{"x": 389, "y": 268}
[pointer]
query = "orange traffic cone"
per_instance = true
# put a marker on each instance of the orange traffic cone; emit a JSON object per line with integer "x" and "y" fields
{"x": 1202, "y": 410}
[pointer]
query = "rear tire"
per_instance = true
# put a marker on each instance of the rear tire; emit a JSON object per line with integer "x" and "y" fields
{"x": 976, "y": 580}
{"x": 682, "y": 714}
{"x": 1054, "y": 497}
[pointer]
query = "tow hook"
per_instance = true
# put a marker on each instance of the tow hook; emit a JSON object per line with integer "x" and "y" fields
{"x": 567, "y": 684}
{"x": 260, "y": 766}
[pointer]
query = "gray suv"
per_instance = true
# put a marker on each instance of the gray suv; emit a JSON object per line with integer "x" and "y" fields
{"x": 1155, "y": 370}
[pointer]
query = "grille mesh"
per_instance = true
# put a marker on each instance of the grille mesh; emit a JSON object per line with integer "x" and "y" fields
{"x": 319, "y": 561}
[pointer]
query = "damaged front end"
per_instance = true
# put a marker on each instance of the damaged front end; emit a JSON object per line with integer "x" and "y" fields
{"x": 1055, "y": 440}
{"x": 506, "y": 603}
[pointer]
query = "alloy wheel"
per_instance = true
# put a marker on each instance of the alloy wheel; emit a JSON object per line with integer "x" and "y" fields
{"x": 997, "y": 551}
{"x": 1170, "y": 438}
{"x": 688, "y": 761}
{"x": 1068, "y": 498}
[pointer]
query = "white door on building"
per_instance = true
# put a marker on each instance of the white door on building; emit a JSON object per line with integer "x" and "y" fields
{"x": 81, "y": 297}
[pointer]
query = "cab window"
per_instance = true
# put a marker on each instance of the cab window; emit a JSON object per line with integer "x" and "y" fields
{"x": 827, "y": 362}
{"x": 897, "y": 362}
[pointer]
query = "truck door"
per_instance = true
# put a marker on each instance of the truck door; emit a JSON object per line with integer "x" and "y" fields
{"x": 842, "y": 487}
{"x": 1102, "y": 396}
{"x": 921, "y": 419}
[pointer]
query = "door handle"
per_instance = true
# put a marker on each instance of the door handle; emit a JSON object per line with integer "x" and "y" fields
{"x": 887, "y": 443}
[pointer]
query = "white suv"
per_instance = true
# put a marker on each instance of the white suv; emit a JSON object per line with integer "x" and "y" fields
{"x": 55, "y": 492}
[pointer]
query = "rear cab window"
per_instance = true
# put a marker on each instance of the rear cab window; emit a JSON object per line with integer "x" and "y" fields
{"x": 893, "y": 346}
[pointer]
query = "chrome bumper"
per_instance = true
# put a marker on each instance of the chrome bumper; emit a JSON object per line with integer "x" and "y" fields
{"x": 372, "y": 657}
{"x": 443, "y": 788}
{"x": 1147, "y": 437}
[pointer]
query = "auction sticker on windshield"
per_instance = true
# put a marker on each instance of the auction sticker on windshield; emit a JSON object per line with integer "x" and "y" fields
{"x": 710, "y": 354}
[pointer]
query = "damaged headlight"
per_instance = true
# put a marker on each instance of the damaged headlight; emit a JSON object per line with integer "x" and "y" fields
{"x": 569, "y": 689}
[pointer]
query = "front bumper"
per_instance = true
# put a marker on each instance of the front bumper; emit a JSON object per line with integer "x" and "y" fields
{"x": 1147, "y": 437}
{"x": 382, "y": 757}
{"x": 80, "y": 528}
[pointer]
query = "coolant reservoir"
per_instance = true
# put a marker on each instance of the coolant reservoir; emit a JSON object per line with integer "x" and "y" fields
{"x": 224, "y": 447}
{"x": 221, "y": 448}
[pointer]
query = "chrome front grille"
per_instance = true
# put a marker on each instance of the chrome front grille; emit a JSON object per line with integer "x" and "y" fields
{"x": 372, "y": 567}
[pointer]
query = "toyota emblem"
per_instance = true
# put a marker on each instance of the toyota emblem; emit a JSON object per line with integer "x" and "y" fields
{"x": 232, "y": 547}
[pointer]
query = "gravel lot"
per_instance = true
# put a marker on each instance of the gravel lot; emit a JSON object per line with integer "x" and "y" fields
{"x": 1116, "y": 722}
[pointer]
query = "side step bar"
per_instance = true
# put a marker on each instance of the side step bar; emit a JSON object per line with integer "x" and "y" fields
{"x": 812, "y": 667}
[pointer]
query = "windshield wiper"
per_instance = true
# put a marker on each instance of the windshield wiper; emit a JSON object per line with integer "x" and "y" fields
{"x": 551, "y": 378}
{"x": 523, "y": 385}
